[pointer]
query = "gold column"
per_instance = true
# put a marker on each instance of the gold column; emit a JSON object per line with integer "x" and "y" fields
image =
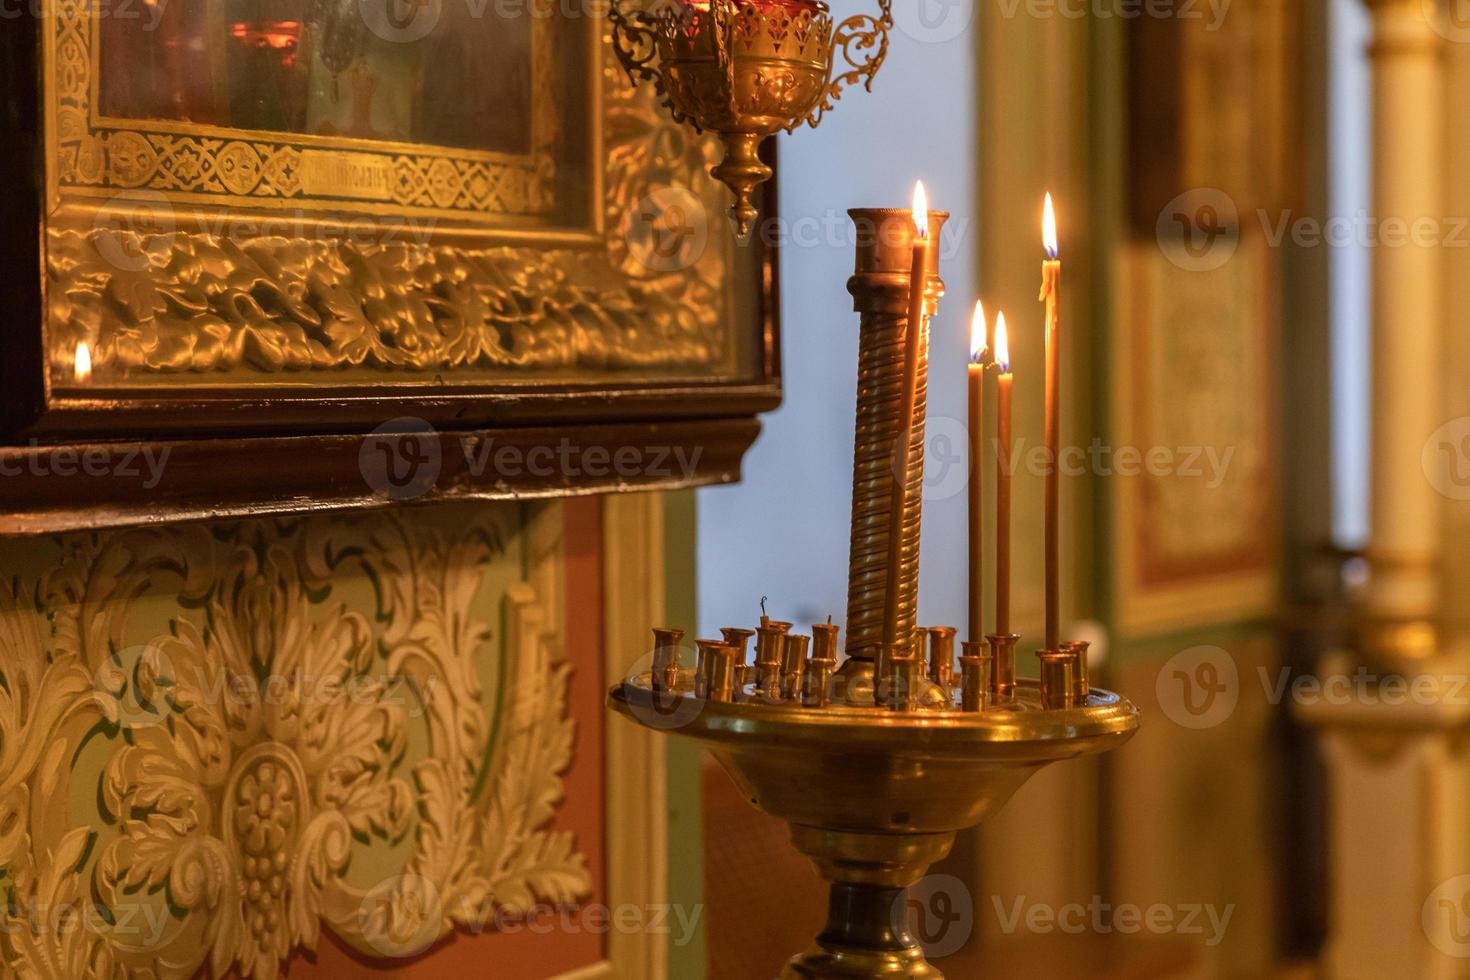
{"x": 1408, "y": 281}
{"x": 880, "y": 290}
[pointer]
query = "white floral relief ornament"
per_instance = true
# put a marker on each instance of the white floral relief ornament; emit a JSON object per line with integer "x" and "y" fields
{"x": 259, "y": 756}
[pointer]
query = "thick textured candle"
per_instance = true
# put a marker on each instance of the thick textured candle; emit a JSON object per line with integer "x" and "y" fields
{"x": 1051, "y": 294}
{"x": 914, "y": 338}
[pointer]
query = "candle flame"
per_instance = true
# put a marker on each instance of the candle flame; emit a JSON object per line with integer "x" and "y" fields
{"x": 82, "y": 362}
{"x": 921, "y": 210}
{"x": 977, "y": 334}
{"x": 1049, "y": 229}
{"x": 1002, "y": 345}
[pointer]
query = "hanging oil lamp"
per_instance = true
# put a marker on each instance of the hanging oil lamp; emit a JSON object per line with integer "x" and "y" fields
{"x": 744, "y": 69}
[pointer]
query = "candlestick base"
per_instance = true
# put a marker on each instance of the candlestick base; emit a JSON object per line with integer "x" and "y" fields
{"x": 875, "y": 796}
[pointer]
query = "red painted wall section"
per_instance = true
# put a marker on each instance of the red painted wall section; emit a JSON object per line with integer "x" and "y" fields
{"x": 556, "y": 943}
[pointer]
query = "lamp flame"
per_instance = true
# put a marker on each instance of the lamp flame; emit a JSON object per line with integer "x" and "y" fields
{"x": 1049, "y": 229}
{"x": 977, "y": 334}
{"x": 1002, "y": 345}
{"x": 82, "y": 362}
{"x": 921, "y": 211}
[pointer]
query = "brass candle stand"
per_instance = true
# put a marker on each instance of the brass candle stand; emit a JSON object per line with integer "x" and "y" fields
{"x": 879, "y": 763}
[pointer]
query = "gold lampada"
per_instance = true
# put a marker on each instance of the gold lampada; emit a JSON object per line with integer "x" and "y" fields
{"x": 747, "y": 68}
{"x": 877, "y": 765}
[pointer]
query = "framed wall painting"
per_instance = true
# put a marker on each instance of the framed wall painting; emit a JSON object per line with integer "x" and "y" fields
{"x": 1197, "y": 508}
{"x": 238, "y": 219}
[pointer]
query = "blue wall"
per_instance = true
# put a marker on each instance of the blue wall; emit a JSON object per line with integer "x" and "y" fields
{"x": 784, "y": 531}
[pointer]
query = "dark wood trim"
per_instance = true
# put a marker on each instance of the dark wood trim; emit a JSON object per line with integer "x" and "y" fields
{"x": 317, "y": 410}
{"x": 112, "y": 484}
{"x": 23, "y": 203}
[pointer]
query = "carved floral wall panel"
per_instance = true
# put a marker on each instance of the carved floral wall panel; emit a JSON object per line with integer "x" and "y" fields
{"x": 218, "y": 742}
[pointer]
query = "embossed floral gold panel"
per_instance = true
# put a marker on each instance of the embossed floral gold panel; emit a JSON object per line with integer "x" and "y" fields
{"x": 220, "y": 741}
{"x": 310, "y": 215}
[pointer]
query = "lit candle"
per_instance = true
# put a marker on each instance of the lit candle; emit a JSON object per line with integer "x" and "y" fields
{"x": 977, "y": 483}
{"x": 1051, "y": 290}
{"x": 82, "y": 363}
{"x": 902, "y": 458}
{"x": 1002, "y": 478}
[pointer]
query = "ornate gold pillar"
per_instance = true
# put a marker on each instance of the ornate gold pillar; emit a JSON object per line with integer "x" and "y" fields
{"x": 1395, "y": 753}
{"x": 1408, "y": 283}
